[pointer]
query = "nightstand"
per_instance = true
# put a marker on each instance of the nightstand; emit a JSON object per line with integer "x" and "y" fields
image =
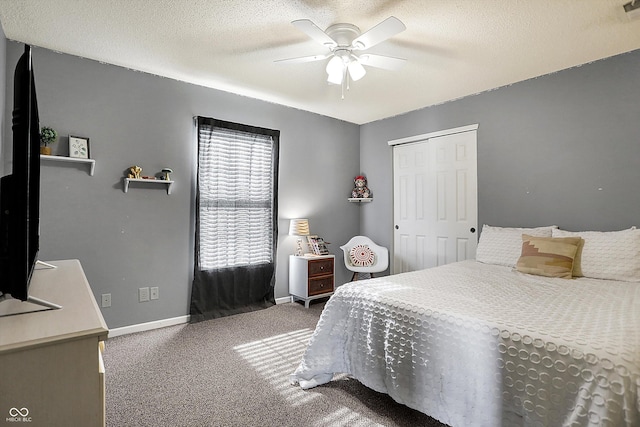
{"x": 311, "y": 277}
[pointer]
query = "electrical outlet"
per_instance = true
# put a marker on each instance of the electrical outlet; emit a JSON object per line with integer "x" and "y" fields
{"x": 143, "y": 294}
{"x": 106, "y": 300}
{"x": 155, "y": 292}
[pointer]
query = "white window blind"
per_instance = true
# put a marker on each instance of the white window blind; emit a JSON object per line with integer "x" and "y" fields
{"x": 235, "y": 180}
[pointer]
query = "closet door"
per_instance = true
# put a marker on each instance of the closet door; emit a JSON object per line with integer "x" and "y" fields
{"x": 435, "y": 201}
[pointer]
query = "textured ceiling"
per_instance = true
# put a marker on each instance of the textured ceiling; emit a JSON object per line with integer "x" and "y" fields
{"x": 453, "y": 48}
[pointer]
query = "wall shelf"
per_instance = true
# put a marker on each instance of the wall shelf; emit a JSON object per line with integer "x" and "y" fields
{"x": 148, "y": 181}
{"x": 360, "y": 200}
{"x": 90, "y": 162}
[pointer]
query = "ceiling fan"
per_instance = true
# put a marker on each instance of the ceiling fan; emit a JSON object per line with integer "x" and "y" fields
{"x": 344, "y": 42}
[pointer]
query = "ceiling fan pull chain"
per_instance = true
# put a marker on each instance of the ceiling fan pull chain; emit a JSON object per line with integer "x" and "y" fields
{"x": 345, "y": 81}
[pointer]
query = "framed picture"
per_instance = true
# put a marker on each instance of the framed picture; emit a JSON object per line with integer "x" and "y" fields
{"x": 310, "y": 239}
{"x": 318, "y": 245}
{"x": 78, "y": 147}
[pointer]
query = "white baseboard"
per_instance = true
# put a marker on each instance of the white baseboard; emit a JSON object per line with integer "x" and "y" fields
{"x": 284, "y": 300}
{"x": 141, "y": 327}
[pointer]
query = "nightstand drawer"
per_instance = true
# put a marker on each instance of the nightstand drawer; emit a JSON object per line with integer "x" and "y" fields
{"x": 320, "y": 267}
{"x": 311, "y": 277}
{"x": 320, "y": 285}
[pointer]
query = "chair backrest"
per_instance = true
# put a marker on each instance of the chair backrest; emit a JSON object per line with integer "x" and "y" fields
{"x": 380, "y": 263}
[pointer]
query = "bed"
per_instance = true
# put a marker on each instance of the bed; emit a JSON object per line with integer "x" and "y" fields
{"x": 482, "y": 343}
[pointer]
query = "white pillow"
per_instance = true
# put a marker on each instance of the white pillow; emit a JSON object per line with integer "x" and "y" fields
{"x": 610, "y": 255}
{"x": 362, "y": 256}
{"x": 503, "y": 245}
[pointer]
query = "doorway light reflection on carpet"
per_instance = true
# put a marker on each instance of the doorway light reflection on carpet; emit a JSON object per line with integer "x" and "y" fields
{"x": 276, "y": 358}
{"x": 345, "y": 417}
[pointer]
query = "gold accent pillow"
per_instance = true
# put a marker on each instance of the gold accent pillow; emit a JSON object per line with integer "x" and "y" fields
{"x": 548, "y": 256}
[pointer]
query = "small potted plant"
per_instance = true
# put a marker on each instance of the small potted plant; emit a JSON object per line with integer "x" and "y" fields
{"x": 47, "y": 137}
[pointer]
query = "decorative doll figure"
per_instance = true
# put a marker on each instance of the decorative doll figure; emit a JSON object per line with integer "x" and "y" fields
{"x": 361, "y": 191}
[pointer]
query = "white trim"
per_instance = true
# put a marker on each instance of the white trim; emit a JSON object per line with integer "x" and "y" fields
{"x": 435, "y": 134}
{"x": 141, "y": 327}
{"x": 284, "y": 300}
{"x": 157, "y": 324}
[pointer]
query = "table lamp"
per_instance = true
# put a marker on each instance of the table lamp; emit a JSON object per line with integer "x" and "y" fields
{"x": 299, "y": 227}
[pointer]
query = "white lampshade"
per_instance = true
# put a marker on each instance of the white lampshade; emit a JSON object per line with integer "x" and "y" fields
{"x": 335, "y": 78}
{"x": 335, "y": 65}
{"x": 356, "y": 70}
{"x": 299, "y": 227}
{"x": 335, "y": 70}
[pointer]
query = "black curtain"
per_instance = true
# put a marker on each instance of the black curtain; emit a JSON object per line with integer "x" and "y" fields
{"x": 220, "y": 292}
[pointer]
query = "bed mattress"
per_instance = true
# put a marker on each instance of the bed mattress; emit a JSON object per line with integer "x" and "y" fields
{"x": 473, "y": 344}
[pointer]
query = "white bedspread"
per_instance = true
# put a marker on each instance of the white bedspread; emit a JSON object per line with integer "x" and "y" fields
{"x": 472, "y": 344}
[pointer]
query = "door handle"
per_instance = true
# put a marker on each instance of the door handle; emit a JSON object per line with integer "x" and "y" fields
{"x": 397, "y": 227}
{"x": 473, "y": 230}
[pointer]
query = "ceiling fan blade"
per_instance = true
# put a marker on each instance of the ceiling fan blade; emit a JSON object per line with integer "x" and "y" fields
{"x": 384, "y": 62}
{"x": 381, "y": 32}
{"x": 313, "y": 31}
{"x": 302, "y": 59}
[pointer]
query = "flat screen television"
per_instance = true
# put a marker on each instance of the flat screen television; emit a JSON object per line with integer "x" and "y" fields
{"x": 20, "y": 191}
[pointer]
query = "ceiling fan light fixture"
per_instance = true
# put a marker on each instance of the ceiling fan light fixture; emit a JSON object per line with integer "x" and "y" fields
{"x": 342, "y": 40}
{"x": 335, "y": 77}
{"x": 356, "y": 70}
{"x": 335, "y": 65}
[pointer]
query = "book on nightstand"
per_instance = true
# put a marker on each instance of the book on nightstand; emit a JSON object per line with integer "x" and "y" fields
{"x": 318, "y": 245}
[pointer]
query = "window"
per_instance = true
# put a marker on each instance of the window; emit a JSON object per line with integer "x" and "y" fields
{"x": 236, "y": 219}
{"x": 236, "y": 187}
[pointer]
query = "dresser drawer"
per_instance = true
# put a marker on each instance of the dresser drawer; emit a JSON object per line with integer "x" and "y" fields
{"x": 320, "y": 267}
{"x": 320, "y": 285}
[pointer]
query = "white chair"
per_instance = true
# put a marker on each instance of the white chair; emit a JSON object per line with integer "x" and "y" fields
{"x": 362, "y": 255}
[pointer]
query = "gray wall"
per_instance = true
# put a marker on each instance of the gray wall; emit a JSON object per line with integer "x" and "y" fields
{"x": 145, "y": 237}
{"x": 545, "y": 149}
{"x": 560, "y": 149}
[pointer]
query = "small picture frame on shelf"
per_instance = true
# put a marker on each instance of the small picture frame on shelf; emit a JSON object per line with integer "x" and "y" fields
{"x": 79, "y": 147}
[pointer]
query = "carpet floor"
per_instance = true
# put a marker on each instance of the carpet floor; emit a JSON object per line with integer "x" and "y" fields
{"x": 234, "y": 371}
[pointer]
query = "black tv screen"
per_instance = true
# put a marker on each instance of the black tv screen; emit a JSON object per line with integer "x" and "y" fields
{"x": 20, "y": 191}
